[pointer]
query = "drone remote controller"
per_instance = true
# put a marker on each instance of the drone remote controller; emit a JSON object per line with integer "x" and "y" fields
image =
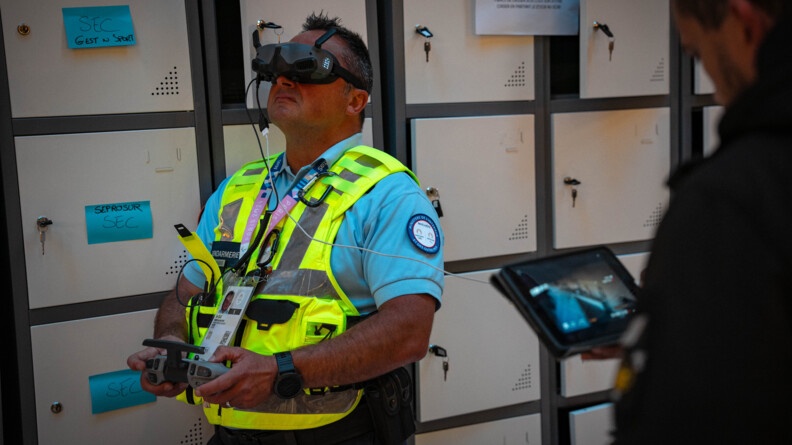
{"x": 173, "y": 368}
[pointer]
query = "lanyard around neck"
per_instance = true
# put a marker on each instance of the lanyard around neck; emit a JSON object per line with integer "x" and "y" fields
{"x": 286, "y": 203}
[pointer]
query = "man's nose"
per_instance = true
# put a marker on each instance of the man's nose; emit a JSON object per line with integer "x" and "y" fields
{"x": 284, "y": 82}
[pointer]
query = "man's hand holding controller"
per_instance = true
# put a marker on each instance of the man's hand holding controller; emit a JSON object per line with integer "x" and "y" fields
{"x": 164, "y": 371}
{"x": 175, "y": 369}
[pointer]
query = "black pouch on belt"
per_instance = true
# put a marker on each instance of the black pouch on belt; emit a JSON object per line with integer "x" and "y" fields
{"x": 390, "y": 399}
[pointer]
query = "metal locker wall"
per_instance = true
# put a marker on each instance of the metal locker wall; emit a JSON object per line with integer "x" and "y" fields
{"x": 462, "y": 66}
{"x": 609, "y": 172}
{"x": 291, "y": 18}
{"x": 592, "y": 425}
{"x": 60, "y": 175}
{"x": 638, "y": 65}
{"x": 92, "y": 347}
{"x": 711, "y": 139}
{"x": 494, "y": 213}
{"x": 49, "y": 79}
{"x": 578, "y": 377}
{"x": 516, "y": 430}
{"x": 702, "y": 82}
{"x": 473, "y": 326}
{"x": 241, "y": 146}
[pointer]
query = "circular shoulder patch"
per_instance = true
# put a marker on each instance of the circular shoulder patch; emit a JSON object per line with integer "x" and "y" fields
{"x": 423, "y": 233}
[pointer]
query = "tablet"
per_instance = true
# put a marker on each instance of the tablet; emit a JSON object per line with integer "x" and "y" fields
{"x": 574, "y": 301}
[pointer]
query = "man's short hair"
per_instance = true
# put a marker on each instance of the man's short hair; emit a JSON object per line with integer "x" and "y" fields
{"x": 711, "y": 13}
{"x": 356, "y": 57}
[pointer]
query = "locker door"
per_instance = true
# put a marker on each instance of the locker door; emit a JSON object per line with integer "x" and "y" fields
{"x": 291, "y": 18}
{"x": 47, "y": 78}
{"x": 712, "y": 117}
{"x": 157, "y": 168}
{"x": 516, "y": 430}
{"x": 702, "y": 82}
{"x": 462, "y": 66}
{"x": 492, "y": 353}
{"x": 66, "y": 354}
{"x": 609, "y": 173}
{"x": 638, "y": 64}
{"x": 580, "y": 377}
{"x": 483, "y": 168}
{"x": 592, "y": 425}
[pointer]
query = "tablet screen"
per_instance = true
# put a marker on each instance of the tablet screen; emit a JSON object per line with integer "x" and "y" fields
{"x": 579, "y": 297}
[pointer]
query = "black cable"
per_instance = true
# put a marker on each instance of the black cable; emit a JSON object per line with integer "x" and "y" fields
{"x": 210, "y": 291}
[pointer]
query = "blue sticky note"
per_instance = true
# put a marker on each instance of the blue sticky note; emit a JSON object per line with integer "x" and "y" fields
{"x": 123, "y": 221}
{"x": 116, "y": 390}
{"x": 98, "y": 26}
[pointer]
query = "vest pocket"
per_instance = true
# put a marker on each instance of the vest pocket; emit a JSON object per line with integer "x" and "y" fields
{"x": 289, "y": 323}
{"x": 267, "y": 313}
{"x": 323, "y": 319}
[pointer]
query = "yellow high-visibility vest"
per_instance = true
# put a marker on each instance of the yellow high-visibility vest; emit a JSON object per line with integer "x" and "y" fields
{"x": 301, "y": 279}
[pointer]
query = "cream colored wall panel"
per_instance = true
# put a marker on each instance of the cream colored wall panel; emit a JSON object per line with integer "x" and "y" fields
{"x": 592, "y": 426}
{"x": 462, "y": 66}
{"x": 59, "y": 175}
{"x": 46, "y": 78}
{"x": 516, "y": 430}
{"x": 492, "y": 353}
{"x": 635, "y": 263}
{"x": 291, "y": 18}
{"x": 639, "y": 63}
{"x": 580, "y": 376}
{"x": 483, "y": 168}
{"x": 712, "y": 117}
{"x": 66, "y": 354}
{"x": 621, "y": 160}
{"x": 241, "y": 146}
{"x": 702, "y": 82}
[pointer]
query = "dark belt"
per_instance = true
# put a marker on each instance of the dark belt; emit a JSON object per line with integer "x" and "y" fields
{"x": 357, "y": 423}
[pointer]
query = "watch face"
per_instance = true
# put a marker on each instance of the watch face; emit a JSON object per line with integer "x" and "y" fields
{"x": 288, "y": 385}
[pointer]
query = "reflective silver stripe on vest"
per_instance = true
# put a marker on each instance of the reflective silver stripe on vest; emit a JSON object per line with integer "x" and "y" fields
{"x": 288, "y": 278}
{"x": 228, "y": 218}
{"x": 253, "y": 172}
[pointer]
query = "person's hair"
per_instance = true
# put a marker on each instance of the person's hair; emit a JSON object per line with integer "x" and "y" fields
{"x": 711, "y": 13}
{"x": 356, "y": 56}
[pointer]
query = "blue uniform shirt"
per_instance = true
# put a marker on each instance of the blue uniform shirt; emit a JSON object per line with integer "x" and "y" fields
{"x": 389, "y": 222}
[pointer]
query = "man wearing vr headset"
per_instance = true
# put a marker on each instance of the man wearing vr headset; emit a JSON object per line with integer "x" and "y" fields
{"x": 326, "y": 374}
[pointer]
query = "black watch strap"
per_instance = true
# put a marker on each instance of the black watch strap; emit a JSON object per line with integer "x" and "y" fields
{"x": 285, "y": 362}
{"x": 288, "y": 383}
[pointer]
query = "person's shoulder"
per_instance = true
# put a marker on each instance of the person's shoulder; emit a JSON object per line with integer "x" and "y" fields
{"x": 398, "y": 182}
{"x": 744, "y": 167}
{"x": 752, "y": 154}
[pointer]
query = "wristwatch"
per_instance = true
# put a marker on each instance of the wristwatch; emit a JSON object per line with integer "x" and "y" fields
{"x": 289, "y": 382}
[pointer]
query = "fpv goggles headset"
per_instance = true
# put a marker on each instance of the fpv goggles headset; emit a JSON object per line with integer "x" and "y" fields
{"x": 300, "y": 62}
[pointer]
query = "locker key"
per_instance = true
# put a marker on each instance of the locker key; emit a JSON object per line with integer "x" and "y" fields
{"x": 434, "y": 196}
{"x": 424, "y": 31}
{"x": 574, "y": 183}
{"x": 42, "y": 224}
{"x": 440, "y": 351}
{"x": 610, "y": 49}
{"x": 611, "y": 41}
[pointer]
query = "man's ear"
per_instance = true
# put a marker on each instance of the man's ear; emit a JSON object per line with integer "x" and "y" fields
{"x": 756, "y": 22}
{"x": 358, "y": 99}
